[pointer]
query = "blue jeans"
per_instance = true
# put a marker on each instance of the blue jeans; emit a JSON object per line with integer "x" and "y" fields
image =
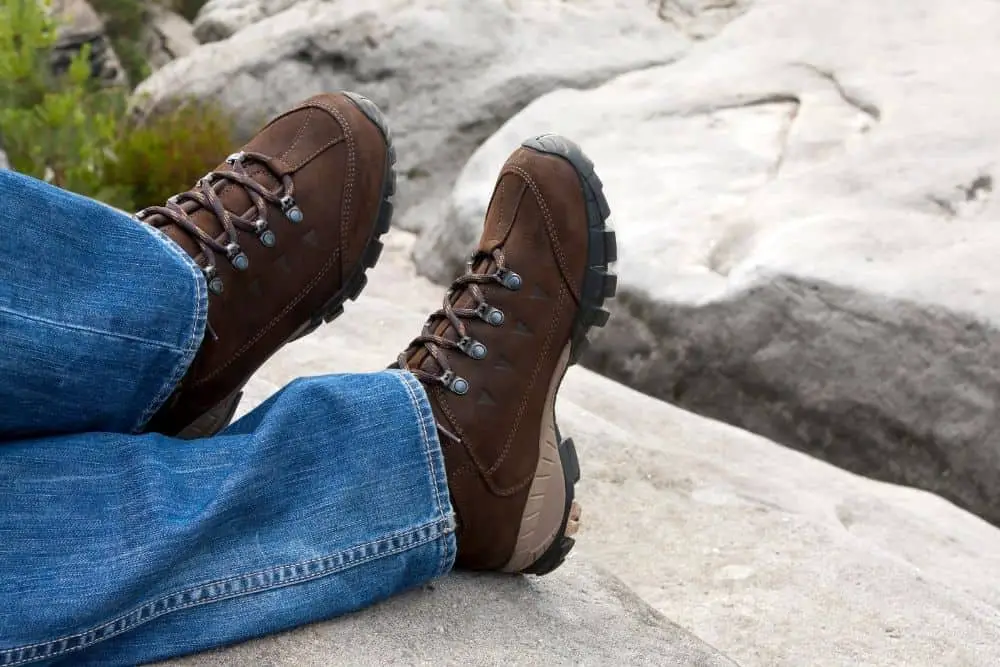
{"x": 118, "y": 548}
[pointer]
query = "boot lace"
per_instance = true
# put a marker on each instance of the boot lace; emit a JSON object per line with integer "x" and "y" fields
{"x": 254, "y": 221}
{"x": 477, "y": 273}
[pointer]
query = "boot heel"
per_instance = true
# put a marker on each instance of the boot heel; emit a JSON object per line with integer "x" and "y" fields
{"x": 556, "y": 554}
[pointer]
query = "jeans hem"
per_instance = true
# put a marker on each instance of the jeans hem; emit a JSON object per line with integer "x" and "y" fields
{"x": 435, "y": 463}
{"x": 234, "y": 587}
{"x": 199, "y": 320}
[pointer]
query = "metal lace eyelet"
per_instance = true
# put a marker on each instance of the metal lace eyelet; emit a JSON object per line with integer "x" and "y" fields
{"x": 472, "y": 348}
{"x": 215, "y": 285}
{"x": 490, "y": 315}
{"x": 455, "y": 384}
{"x": 291, "y": 209}
{"x": 237, "y": 257}
{"x": 509, "y": 279}
{"x": 235, "y": 158}
{"x": 266, "y": 236}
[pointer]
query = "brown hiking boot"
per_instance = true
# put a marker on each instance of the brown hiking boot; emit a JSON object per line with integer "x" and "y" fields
{"x": 493, "y": 358}
{"x": 284, "y": 231}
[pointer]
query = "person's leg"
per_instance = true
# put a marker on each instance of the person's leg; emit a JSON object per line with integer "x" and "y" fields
{"x": 122, "y": 549}
{"x": 112, "y": 324}
{"x": 128, "y": 548}
{"x": 100, "y": 316}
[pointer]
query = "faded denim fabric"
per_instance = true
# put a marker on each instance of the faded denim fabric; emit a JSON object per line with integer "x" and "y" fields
{"x": 119, "y": 549}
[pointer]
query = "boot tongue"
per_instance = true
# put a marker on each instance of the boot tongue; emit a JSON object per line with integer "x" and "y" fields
{"x": 234, "y": 198}
{"x": 421, "y": 358}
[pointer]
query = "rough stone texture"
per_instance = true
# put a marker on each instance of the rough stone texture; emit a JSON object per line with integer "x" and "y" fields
{"x": 219, "y": 19}
{"x": 578, "y": 615}
{"x": 168, "y": 36}
{"x": 699, "y": 19}
{"x": 79, "y": 25}
{"x": 808, "y": 232}
{"x": 773, "y": 557}
{"x": 447, "y": 72}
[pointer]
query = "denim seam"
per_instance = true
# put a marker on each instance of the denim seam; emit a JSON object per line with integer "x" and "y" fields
{"x": 91, "y": 330}
{"x": 424, "y": 437}
{"x": 194, "y": 336}
{"x": 203, "y": 594}
{"x": 427, "y": 415}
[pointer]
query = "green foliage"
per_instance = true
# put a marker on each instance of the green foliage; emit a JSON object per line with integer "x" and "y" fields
{"x": 123, "y": 23}
{"x": 187, "y": 8}
{"x": 76, "y": 134}
{"x": 169, "y": 152}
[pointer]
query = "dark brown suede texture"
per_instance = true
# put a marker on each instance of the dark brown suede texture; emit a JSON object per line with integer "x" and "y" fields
{"x": 537, "y": 220}
{"x": 337, "y": 159}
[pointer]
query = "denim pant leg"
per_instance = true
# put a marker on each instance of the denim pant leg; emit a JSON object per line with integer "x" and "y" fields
{"x": 120, "y": 549}
{"x": 100, "y": 315}
{"x": 117, "y": 549}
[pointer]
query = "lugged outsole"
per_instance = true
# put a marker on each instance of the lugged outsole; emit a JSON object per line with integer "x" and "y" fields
{"x": 599, "y": 284}
{"x": 218, "y": 418}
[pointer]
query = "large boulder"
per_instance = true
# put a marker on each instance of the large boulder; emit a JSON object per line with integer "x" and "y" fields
{"x": 807, "y": 231}
{"x": 447, "y": 72}
{"x": 769, "y": 555}
{"x": 578, "y": 615}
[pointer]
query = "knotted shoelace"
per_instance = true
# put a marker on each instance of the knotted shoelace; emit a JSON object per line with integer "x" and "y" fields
{"x": 206, "y": 195}
{"x": 484, "y": 268}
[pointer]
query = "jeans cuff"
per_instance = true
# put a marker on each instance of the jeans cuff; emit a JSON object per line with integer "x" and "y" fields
{"x": 435, "y": 464}
{"x": 199, "y": 320}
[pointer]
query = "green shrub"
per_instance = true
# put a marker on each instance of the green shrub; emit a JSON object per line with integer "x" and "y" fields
{"x": 187, "y": 8}
{"x": 124, "y": 21}
{"x": 77, "y": 135}
{"x": 168, "y": 152}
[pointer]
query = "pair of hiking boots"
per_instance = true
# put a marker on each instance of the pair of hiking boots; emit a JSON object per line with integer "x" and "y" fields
{"x": 284, "y": 231}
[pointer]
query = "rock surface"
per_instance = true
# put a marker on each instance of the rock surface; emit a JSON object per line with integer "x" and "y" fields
{"x": 80, "y": 25}
{"x": 168, "y": 36}
{"x": 447, "y": 72}
{"x": 219, "y": 19}
{"x": 578, "y": 615}
{"x": 773, "y": 557}
{"x": 807, "y": 245}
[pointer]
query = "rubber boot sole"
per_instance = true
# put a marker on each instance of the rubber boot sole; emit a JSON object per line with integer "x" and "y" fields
{"x": 551, "y": 515}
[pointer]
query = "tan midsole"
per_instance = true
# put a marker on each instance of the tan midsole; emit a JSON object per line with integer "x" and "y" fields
{"x": 546, "y": 505}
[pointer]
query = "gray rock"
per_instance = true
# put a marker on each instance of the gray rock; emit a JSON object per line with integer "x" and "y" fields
{"x": 447, "y": 72}
{"x": 220, "y": 19}
{"x": 773, "y": 557}
{"x": 700, "y": 19}
{"x": 578, "y": 615}
{"x": 168, "y": 36}
{"x": 4, "y": 162}
{"x": 79, "y": 25}
{"x": 806, "y": 250}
